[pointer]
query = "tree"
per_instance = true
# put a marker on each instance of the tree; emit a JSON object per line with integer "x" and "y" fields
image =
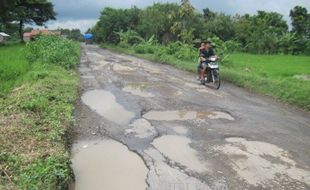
{"x": 208, "y": 14}
{"x": 74, "y": 34}
{"x": 220, "y": 25}
{"x": 183, "y": 27}
{"x": 259, "y": 33}
{"x": 30, "y": 11}
{"x": 300, "y": 21}
{"x": 157, "y": 20}
{"x": 115, "y": 20}
{"x": 5, "y": 7}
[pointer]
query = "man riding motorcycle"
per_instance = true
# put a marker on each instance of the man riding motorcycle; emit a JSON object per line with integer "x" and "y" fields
{"x": 205, "y": 52}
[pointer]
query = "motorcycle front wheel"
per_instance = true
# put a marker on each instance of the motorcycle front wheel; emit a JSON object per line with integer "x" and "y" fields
{"x": 216, "y": 79}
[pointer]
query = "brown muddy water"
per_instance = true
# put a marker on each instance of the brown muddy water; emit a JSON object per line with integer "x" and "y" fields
{"x": 107, "y": 164}
{"x": 104, "y": 103}
{"x": 184, "y": 155}
{"x": 185, "y": 115}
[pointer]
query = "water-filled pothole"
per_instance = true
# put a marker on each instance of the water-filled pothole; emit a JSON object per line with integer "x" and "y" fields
{"x": 138, "y": 91}
{"x": 121, "y": 68}
{"x": 109, "y": 165}
{"x": 141, "y": 128}
{"x": 185, "y": 115}
{"x": 177, "y": 149}
{"x": 105, "y": 104}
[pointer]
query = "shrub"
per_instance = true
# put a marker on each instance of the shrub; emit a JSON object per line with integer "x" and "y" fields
{"x": 173, "y": 48}
{"x": 187, "y": 52}
{"x": 232, "y": 46}
{"x": 144, "y": 48}
{"x": 53, "y": 50}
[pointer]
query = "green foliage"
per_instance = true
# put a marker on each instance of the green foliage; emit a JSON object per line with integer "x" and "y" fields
{"x": 115, "y": 20}
{"x": 273, "y": 75}
{"x": 74, "y": 34}
{"x": 232, "y": 46}
{"x": 54, "y": 171}
{"x": 33, "y": 152}
{"x": 53, "y": 50}
{"x": 128, "y": 38}
{"x": 261, "y": 33}
{"x": 13, "y": 64}
{"x": 157, "y": 20}
{"x": 26, "y": 12}
{"x": 220, "y": 25}
{"x": 300, "y": 21}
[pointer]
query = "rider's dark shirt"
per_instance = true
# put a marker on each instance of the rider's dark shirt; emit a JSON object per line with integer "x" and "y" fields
{"x": 206, "y": 53}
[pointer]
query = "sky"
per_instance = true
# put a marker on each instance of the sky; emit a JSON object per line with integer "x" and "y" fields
{"x": 83, "y": 14}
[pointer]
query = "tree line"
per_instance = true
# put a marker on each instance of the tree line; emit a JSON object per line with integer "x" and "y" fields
{"x": 25, "y": 12}
{"x": 263, "y": 32}
{"x": 15, "y": 14}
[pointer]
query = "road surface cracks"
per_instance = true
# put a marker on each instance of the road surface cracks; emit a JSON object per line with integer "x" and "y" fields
{"x": 141, "y": 125}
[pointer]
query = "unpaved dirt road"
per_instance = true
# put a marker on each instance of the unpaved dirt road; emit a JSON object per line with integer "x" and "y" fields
{"x": 141, "y": 125}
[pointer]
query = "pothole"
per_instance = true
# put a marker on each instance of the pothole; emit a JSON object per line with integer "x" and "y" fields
{"x": 162, "y": 176}
{"x": 180, "y": 130}
{"x": 121, "y": 68}
{"x": 141, "y": 128}
{"x": 185, "y": 115}
{"x": 109, "y": 165}
{"x": 138, "y": 91}
{"x": 104, "y": 103}
{"x": 177, "y": 149}
{"x": 253, "y": 162}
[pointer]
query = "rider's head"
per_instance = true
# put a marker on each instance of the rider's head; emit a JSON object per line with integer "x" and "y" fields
{"x": 202, "y": 45}
{"x": 208, "y": 44}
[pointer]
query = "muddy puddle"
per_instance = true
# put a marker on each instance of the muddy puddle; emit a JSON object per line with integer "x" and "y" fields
{"x": 185, "y": 155}
{"x": 107, "y": 164}
{"x": 164, "y": 177}
{"x": 185, "y": 115}
{"x": 180, "y": 130}
{"x": 138, "y": 91}
{"x": 121, "y": 68}
{"x": 104, "y": 103}
{"x": 141, "y": 128}
{"x": 259, "y": 163}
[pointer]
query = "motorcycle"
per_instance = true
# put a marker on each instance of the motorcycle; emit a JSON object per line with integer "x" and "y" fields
{"x": 212, "y": 73}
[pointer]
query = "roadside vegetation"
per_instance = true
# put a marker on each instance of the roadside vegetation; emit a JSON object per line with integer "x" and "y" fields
{"x": 38, "y": 92}
{"x": 284, "y": 77}
{"x": 258, "y": 51}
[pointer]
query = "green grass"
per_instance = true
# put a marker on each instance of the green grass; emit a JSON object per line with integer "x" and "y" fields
{"x": 273, "y": 66}
{"x": 272, "y": 75}
{"x": 12, "y": 65}
{"x": 36, "y": 114}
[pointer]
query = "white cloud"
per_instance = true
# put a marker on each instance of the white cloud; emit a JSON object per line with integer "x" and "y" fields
{"x": 82, "y": 24}
{"x": 83, "y": 14}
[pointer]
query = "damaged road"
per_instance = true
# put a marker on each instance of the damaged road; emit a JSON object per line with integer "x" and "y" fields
{"x": 141, "y": 125}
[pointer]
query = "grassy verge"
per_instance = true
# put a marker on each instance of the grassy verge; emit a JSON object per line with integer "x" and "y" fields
{"x": 35, "y": 115}
{"x": 269, "y": 75}
{"x": 12, "y": 65}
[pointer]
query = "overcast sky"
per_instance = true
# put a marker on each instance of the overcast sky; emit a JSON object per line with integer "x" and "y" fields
{"x": 83, "y": 14}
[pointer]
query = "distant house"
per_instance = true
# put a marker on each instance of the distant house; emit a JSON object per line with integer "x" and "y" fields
{"x": 28, "y": 36}
{"x": 3, "y": 36}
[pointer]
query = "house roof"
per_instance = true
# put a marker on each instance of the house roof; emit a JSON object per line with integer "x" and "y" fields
{"x": 4, "y": 34}
{"x": 43, "y": 31}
